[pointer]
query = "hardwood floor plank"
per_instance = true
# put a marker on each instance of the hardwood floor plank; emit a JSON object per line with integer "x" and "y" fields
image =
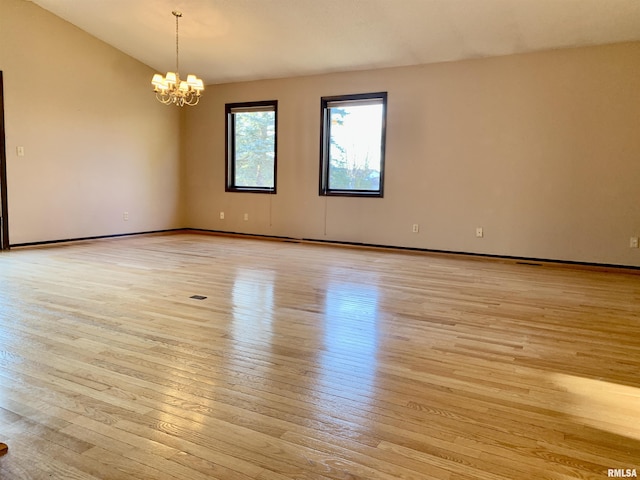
{"x": 31, "y": 457}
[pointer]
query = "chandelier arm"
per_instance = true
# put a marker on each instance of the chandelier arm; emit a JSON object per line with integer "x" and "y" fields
{"x": 164, "y": 98}
{"x": 191, "y": 99}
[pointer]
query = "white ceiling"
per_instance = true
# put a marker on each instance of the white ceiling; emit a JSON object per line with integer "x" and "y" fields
{"x": 234, "y": 40}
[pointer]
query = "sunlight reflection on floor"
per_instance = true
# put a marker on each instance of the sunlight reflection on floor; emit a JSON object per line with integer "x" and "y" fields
{"x": 591, "y": 397}
{"x": 351, "y": 338}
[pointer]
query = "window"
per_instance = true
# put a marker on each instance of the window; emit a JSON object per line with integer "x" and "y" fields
{"x": 352, "y": 144}
{"x": 251, "y": 146}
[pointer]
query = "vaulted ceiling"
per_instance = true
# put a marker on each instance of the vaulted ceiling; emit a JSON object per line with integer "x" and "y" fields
{"x": 235, "y": 40}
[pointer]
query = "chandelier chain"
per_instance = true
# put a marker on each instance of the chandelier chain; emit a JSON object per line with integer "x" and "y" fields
{"x": 178, "y": 15}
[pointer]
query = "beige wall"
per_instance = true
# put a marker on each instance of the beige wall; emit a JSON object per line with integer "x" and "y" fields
{"x": 541, "y": 150}
{"x": 96, "y": 141}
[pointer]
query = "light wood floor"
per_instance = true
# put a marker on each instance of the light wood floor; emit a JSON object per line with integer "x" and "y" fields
{"x": 311, "y": 362}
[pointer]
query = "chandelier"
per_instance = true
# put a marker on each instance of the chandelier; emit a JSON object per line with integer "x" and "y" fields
{"x": 170, "y": 89}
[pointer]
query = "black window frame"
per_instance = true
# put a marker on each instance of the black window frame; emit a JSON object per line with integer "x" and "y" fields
{"x": 325, "y": 143}
{"x": 230, "y": 137}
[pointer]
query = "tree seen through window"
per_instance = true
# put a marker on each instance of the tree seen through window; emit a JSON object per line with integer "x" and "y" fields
{"x": 352, "y": 146}
{"x": 251, "y": 147}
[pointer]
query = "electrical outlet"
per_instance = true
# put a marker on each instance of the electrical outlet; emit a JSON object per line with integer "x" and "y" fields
{"x": 479, "y": 232}
{"x": 246, "y": 217}
{"x": 221, "y": 215}
{"x": 125, "y": 216}
{"x": 415, "y": 228}
{"x": 633, "y": 242}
